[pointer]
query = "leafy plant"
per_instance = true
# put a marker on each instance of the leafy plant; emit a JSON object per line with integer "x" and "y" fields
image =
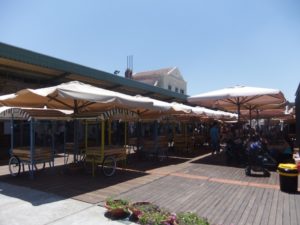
{"x": 138, "y": 208}
{"x": 117, "y": 203}
{"x": 147, "y": 213}
{"x": 189, "y": 218}
{"x": 153, "y": 218}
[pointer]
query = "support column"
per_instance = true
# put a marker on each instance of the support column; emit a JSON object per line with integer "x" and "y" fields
{"x": 32, "y": 148}
{"x": 102, "y": 138}
{"x": 109, "y": 132}
{"x": 155, "y": 134}
{"x": 11, "y": 135}
{"x": 125, "y": 133}
{"x": 86, "y": 135}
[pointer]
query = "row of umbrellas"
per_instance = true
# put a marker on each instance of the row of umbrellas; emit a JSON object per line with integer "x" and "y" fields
{"x": 83, "y": 98}
{"x": 241, "y": 98}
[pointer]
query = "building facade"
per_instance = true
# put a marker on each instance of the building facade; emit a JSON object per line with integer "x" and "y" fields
{"x": 168, "y": 78}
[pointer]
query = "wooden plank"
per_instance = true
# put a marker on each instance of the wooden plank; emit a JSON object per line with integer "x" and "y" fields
{"x": 254, "y": 209}
{"x": 279, "y": 210}
{"x": 218, "y": 198}
{"x": 201, "y": 191}
{"x": 297, "y": 206}
{"x": 293, "y": 210}
{"x": 225, "y": 206}
{"x": 248, "y": 208}
{"x": 286, "y": 218}
{"x": 273, "y": 209}
{"x": 209, "y": 198}
{"x": 177, "y": 191}
{"x": 149, "y": 191}
{"x": 239, "y": 209}
{"x": 268, "y": 205}
{"x": 261, "y": 207}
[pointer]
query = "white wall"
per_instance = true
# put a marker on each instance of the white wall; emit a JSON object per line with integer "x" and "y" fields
{"x": 175, "y": 81}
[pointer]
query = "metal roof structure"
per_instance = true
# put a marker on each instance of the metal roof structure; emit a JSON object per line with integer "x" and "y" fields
{"x": 31, "y": 66}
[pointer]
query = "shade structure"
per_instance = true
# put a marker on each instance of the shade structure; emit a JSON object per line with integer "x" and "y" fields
{"x": 215, "y": 114}
{"x": 181, "y": 110}
{"x": 75, "y": 96}
{"x": 275, "y": 113}
{"x": 239, "y": 97}
{"x": 20, "y": 113}
{"x": 161, "y": 108}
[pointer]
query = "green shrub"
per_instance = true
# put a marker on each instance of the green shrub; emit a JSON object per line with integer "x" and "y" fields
{"x": 188, "y": 218}
{"x": 153, "y": 218}
{"x": 117, "y": 203}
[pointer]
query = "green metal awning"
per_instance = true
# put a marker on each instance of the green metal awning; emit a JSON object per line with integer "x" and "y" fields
{"x": 49, "y": 71}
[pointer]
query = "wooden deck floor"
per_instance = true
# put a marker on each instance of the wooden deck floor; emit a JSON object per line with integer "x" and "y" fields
{"x": 203, "y": 185}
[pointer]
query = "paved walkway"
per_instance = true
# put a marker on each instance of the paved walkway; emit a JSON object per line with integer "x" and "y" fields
{"x": 20, "y": 205}
{"x": 201, "y": 184}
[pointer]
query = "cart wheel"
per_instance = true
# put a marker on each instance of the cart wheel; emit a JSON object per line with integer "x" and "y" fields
{"x": 109, "y": 166}
{"x": 14, "y": 166}
{"x": 39, "y": 166}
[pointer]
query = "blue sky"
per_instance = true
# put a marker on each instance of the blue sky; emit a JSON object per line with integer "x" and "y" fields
{"x": 214, "y": 43}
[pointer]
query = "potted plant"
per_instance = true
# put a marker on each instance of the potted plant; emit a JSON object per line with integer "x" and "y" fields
{"x": 117, "y": 208}
{"x": 139, "y": 208}
{"x": 154, "y": 218}
{"x": 189, "y": 218}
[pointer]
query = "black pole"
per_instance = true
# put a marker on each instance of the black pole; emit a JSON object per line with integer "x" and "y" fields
{"x": 239, "y": 109}
{"x": 250, "y": 116}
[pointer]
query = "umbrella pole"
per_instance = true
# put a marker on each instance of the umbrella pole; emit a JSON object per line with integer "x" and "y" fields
{"x": 86, "y": 135}
{"x": 257, "y": 118}
{"x": 76, "y": 142}
{"x": 239, "y": 109}
{"x": 125, "y": 133}
{"x": 11, "y": 134}
{"x": 32, "y": 148}
{"x": 250, "y": 117}
{"x": 102, "y": 138}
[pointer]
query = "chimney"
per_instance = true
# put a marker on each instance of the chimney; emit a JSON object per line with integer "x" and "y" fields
{"x": 129, "y": 70}
{"x": 128, "y": 73}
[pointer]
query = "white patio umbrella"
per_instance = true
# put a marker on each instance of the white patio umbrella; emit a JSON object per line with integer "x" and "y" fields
{"x": 75, "y": 96}
{"x": 239, "y": 97}
{"x": 163, "y": 108}
{"x": 21, "y": 113}
{"x": 216, "y": 114}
